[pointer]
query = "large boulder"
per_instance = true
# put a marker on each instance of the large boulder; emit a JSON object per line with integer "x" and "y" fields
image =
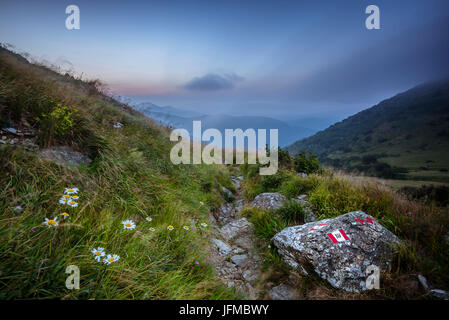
{"x": 269, "y": 201}
{"x": 339, "y": 250}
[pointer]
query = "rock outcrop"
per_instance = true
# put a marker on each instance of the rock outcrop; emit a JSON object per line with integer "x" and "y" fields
{"x": 339, "y": 250}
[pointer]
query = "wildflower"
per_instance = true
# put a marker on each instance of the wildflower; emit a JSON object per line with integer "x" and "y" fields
{"x": 64, "y": 215}
{"x": 98, "y": 253}
{"x": 32, "y": 230}
{"x": 186, "y": 228}
{"x": 18, "y": 208}
{"x": 197, "y": 262}
{"x": 149, "y": 219}
{"x": 71, "y": 190}
{"x": 204, "y": 224}
{"x": 75, "y": 197}
{"x": 202, "y": 203}
{"x": 72, "y": 203}
{"x": 63, "y": 200}
{"x": 110, "y": 258}
{"x": 170, "y": 228}
{"x": 152, "y": 229}
{"x": 67, "y": 196}
{"x": 128, "y": 224}
{"x": 51, "y": 223}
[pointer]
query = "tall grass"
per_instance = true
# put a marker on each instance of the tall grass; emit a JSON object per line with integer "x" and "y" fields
{"x": 131, "y": 177}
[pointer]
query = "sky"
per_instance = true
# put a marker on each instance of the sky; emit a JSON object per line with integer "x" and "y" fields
{"x": 284, "y": 59}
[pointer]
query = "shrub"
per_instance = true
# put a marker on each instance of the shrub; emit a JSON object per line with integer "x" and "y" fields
{"x": 306, "y": 162}
{"x": 292, "y": 212}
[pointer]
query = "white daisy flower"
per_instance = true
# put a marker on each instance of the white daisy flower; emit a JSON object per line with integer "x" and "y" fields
{"x": 128, "y": 224}
{"x": 202, "y": 203}
{"x": 71, "y": 190}
{"x": 72, "y": 203}
{"x": 170, "y": 228}
{"x": 51, "y": 222}
{"x": 186, "y": 228}
{"x": 152, "y": 229}
{"x": 75, "y": 197}
{"x": 149, "y": 219}
{"x": 204, "y": 224}
{"x": 65, "y": 215}
{"x": 98, "y": 253}
{"x": 110, "y": 258}
{"x": 63, "y": 200}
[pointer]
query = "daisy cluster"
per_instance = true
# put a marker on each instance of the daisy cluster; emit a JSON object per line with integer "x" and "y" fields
{"x": 69, "y": 198}
{"x": 107, "y": 258}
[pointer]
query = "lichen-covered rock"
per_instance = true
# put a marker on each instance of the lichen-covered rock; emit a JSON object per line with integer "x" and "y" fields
{"x": 226, "y": 213}
{"x": 269, "y": 201}
{"x": 339, "y": 250}
{"x": 65, "y": 155}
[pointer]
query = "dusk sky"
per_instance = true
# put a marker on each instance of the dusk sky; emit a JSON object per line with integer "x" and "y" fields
{"x": 284, "y": 59}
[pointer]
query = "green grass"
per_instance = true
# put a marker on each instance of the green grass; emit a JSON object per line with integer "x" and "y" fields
{"x": 131, "y": 177}
{"x": 421, "y": 226}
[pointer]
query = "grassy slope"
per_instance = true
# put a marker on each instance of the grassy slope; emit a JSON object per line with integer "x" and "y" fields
{"x": 131, "y": 177}
{"x": 408, "y": 131}
{"x": 422, "y": 227}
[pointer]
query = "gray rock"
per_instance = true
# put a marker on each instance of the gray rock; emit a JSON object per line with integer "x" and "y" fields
{"x": 226, "y": 191}
{"x": 236, "y": 228}
{"x": 226, "y": 213}
{"x": 423, "y": 282}
{"x": 65, "y": 155}
{"x": 250, "y": 275}
{"x": 236, "y": 183}
{"x": 239, "y": 259}
{"x": 282, "y": 292}
{"x": 269, "y": 201}
{"x": 11, "y": 130}
{"x": 223, "y": 248}
{"x": 238, "y": 206}
{"x": 439, "y": 294}
{"x": 245, "y": 241}
{"x": 343, "y": 264}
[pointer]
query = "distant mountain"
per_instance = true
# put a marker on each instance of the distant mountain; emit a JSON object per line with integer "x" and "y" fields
{"x": 178, "y": 118}
{"x": 406, "y": 136}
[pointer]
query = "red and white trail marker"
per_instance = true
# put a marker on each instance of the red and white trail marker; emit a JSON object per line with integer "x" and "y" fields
{"x": 338, "y": 236}
{"x": 318, "y": 227}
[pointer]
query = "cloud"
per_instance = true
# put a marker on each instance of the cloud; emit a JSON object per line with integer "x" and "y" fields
{"x": 212, "y": 81}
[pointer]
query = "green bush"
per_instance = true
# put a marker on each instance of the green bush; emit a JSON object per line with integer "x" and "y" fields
{"x": 291, "y": 212}
{"x": 306, "y": 162}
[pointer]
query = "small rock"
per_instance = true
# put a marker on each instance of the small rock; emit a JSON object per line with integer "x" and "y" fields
{"x": 423, "y": 282}
{"x": 11, "y": 130}
{"x": 239, "y": 259}
{"x": 269, "y": 201}
{"x": 282, "y": 292}
{"x": 223, "y": 248}
{"x": 236, "y": 228}
{"x": 65, "y": 155}
{"x": 249, "y": 276}
{"x": 226, "y": 191}
{"x": 4, "y": 138}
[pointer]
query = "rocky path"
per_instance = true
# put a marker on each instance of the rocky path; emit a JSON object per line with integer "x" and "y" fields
{"x": 233, "y": 249}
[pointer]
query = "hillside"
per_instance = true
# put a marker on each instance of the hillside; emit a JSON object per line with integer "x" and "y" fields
{"x": 127, "y": 175}
{"x": 406, "y": 136}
